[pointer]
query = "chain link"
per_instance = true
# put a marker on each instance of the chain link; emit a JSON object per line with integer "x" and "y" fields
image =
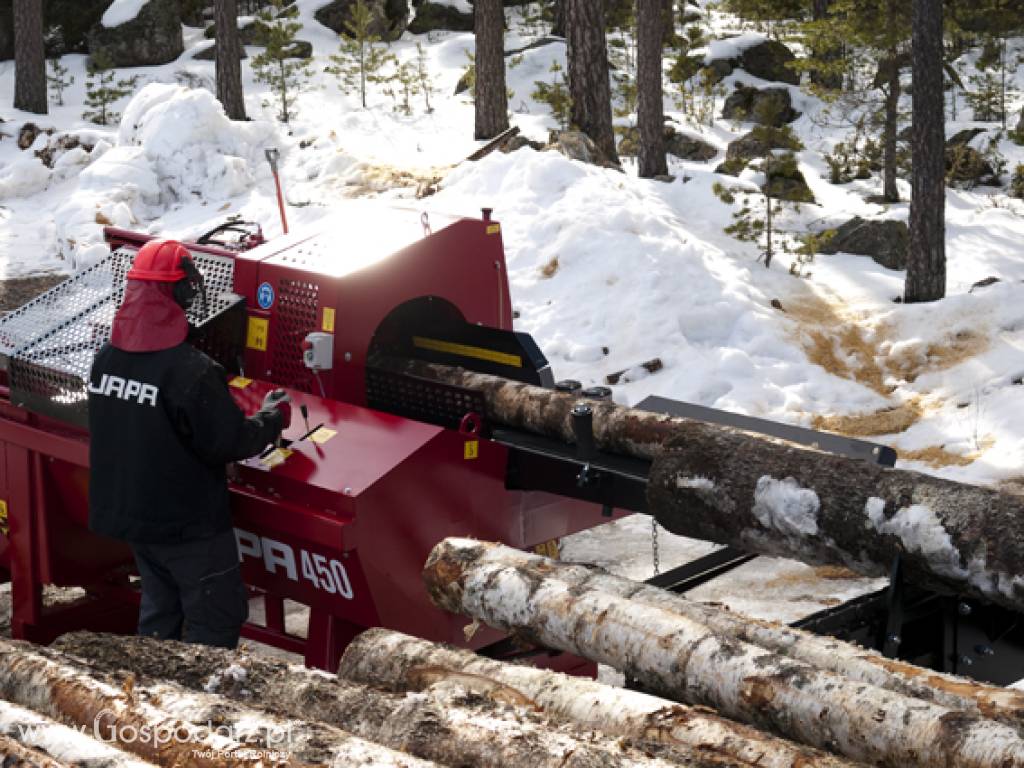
{"x": 655, "y": 554}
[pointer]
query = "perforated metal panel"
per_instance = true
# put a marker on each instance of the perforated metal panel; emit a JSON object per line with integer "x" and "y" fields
{"x": 47, "y": 346}
{"x": 420, "y": 399}
{"x": 296, "y": 316}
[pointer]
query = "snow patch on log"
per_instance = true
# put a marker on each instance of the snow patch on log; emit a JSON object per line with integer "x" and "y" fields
{"x": 786, "y": 506}
{"x": 874, "y": 508}
{"x": 920, "y": 530}
{"x": 695, "y": 483}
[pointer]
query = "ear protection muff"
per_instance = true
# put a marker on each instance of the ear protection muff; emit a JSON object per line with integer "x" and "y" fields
{"x": 192, "y": 285}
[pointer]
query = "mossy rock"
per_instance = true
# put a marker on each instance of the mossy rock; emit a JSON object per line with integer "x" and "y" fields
{"x": 433, "y": 16}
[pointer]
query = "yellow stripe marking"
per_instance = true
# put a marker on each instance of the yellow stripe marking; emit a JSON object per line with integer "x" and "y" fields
{"x": 464, "y": 350}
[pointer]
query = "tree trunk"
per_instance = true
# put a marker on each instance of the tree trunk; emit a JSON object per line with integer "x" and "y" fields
{"x": 29, "y": 58}
{"x": 558, "y": 23}
{"x": 847, "y": 660}
{"x": 63, "y": 692}
{"x": 650, "y": 100}
{"x": 589, "y": 86}
{"x": 771, "y": 497}
{"x": 17, "y": 755}
{"x": 58, "y": 741}
{"x": 490, "y": 95}
{"x": 890, "y": 192}
{"x": 452, "y": 732}
{"x": 399, "y": 662}
{"x": 680, "y": 658}
{"x": 228, "y": 56}
{"x": 926, "y": 259}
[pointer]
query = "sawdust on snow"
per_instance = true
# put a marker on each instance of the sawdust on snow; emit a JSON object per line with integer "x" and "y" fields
{"x": 858, "y": 345}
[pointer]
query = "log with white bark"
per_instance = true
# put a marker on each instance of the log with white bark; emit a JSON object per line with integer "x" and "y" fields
{"x": 14, "y": 754}
{"x": 453, "y": 729}
{"x": 682, "y": 659}
{"x": 850, "y": 661}
{"x": 60, "y": 688}
{"x": 398, "y": 662}
{"x": 60, "y": 742}
{"x": 773, "y": 497}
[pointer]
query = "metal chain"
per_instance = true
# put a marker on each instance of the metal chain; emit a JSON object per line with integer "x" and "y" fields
{"x": 655, "y": 555}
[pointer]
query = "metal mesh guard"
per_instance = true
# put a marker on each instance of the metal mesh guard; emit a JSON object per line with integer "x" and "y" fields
{"x": 47, "y": 346}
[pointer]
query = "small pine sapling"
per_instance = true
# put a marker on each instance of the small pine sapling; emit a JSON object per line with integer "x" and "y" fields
{"x": 1017, "y": 182}
{"x": 59, "y": 79}
{"x": 556, "y": 95}
{"x": 424, "y": 81}
{"x": 103, "y": 88}
{"x": 404, "y": 85}
{"x": 469, "y": 76}
{"x": 360, "y": 60}
{"x": 276, "y": 66}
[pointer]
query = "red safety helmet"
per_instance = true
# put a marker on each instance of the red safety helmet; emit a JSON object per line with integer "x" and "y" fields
{"x": 160, "y": 261}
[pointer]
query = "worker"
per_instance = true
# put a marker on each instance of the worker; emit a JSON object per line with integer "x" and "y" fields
{"x": 163, "y": 428}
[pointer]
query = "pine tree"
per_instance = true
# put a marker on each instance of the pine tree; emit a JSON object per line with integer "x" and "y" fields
{"x": 926, "y": 257}
{"x": 29, "y": 57}
{"x": 360, "y": 59}
{"x": 856, "y": 37}
{"x": 490, "y": 93}
{"x": 587, "y": 54}
{"x": 228, "y": 59}
{"x": 103, "y": 88}
{"x": 276, "y": 66}
{"x": 651, "y": 108}
{"x": 59, "y": 79}
{"x": 424, "y": 80}
{"x": 556, "y": 95}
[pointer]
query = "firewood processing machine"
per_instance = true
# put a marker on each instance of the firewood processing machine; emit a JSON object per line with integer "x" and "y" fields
{"x": 341, "y": 516}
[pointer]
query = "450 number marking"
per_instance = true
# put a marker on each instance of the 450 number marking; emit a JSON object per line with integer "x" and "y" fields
{"x": 327, "y": 575}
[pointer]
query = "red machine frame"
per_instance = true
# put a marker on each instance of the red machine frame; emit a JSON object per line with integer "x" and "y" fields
{"x": 344, "y": 524}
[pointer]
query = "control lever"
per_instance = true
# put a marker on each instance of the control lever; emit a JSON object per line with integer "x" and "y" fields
{"x": 304, "y": 410}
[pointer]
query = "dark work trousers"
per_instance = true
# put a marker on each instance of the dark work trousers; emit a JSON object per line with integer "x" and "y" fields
{"x": 196, "y": 585}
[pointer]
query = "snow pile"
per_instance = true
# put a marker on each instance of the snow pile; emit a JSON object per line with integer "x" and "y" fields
{"x": 786, "y": 506}
{"x": 121, "y": 12}
{"x": 174, "y": 145}
{"x": 24, "y": 177}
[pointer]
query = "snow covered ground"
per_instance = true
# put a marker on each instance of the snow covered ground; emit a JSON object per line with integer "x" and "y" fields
{"x": 607, "y": 270}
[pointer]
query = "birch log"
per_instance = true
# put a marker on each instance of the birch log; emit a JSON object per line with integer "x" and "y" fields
{"x": 679, "y": 658}
{"x": 399, "y": 662}
{"x": 850, "y": 661}
{"x": 59, "y": 742}
{"x": 14, "y": 754}
{"x": 61, "y": 690}
{"x": 773, "y": 497}
{"x": 458, "y": 730}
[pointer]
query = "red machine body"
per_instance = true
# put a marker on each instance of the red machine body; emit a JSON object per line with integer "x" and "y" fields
{"x": 342, "y": 520}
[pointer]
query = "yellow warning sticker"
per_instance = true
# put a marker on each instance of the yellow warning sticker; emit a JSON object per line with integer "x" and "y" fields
{"x": 3, "y": 518}
{"x": 328, "y": 324}
{"x": 548, "y": 548}
{"x": 471, "y": 450}
{"x": 256, "y": 338}
{"x": 240, "y": 382}
{"x": 493, "y": 229}
{"x": 275, "y": 457}
{"x": 322, "y": 435}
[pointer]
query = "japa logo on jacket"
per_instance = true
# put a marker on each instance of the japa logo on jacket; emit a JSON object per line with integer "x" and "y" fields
{"x": 125, "y": 389}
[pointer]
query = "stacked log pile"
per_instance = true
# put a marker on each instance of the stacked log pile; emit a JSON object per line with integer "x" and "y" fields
{"x": 190, "y": 705}
{"x": 725, "y": 691}
{"x": 813, "y": 691}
